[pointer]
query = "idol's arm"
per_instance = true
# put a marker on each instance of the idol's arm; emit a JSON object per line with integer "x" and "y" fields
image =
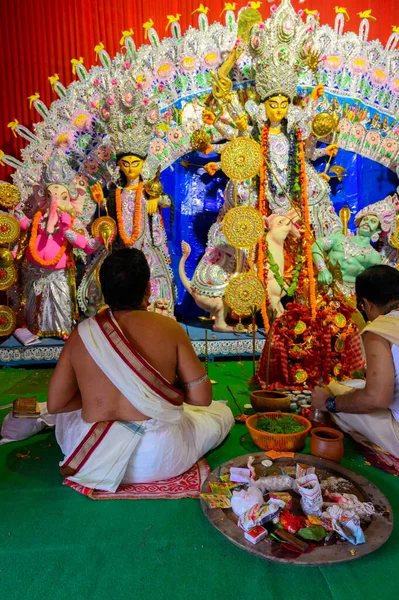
{"x": 76, "y": 239}
{"x": 378, "y": 392}
{"x": 322, "y": 244}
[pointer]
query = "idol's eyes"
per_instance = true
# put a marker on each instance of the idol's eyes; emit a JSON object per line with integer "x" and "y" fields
{"x": 133, "y": 164}
{"x": 274, "y": 105}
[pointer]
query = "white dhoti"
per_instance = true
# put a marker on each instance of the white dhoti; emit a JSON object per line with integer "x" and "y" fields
{"x": 163, "y": 450}
{"x": 379, "y": 427}
{"x": 103, "y": 455}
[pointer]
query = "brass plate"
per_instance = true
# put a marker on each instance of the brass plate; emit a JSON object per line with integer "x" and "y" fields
{"x": 376, "y": 533}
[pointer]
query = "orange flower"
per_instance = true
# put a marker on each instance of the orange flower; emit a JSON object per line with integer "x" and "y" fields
{"x": 308, "y": 234}
{"x": 32, "y": 244}
{"x": 129, "y": 241}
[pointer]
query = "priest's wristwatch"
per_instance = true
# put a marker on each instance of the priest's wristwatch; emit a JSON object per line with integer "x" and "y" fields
{"x": 330, "y": 404}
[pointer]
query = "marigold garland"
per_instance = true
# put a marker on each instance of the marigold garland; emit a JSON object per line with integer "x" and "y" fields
{"x": 308, "y": 231}
{"x": 32, "y": 244}
{"x": 129, "y": 241}
{"x": 263, "y": 210}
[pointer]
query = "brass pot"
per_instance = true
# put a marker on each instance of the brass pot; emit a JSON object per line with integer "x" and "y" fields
{"x": 265, "y": 400}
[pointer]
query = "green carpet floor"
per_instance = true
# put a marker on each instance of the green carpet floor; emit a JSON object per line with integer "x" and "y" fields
{"x": 57, "y": 544}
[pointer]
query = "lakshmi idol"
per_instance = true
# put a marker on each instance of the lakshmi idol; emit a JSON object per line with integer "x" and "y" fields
{"x": 135, "y": 206}
{"x": 49, "y": 272}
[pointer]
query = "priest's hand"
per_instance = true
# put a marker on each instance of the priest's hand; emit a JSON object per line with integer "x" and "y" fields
{"x": 152, "y": 206}
{"x": 319, "y": 397}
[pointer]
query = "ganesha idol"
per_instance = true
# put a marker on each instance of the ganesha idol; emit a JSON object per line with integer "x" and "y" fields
{"x": 56, "y": 230}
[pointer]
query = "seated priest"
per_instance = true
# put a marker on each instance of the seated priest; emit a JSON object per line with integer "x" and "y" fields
{"x": 372, "y": 411}
{"x": 132, "y": 399}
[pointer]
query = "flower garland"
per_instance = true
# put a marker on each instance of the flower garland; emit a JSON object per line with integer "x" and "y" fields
{"x": 264, "y": 211}
{"x": 273, "y": 266}
{"x": 32, "y": 244}
{"x": 129, "y": 241}
{"x": 308, "y": 231}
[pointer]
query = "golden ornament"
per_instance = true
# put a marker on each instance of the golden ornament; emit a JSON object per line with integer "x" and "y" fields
{"x": 8, "y": 321}
{"x": 153, "y": 187}
{"x": 8, "y": 276}
{"x": 9, "y": 229}
{"x": 300, "y": 328}
{"x": 345, "y": 215}
{"x": 10, "y": 195}
{"x": 337, "y": 369}
{"x": 300, "y": 376}
{"x": 200, "y": 140}
{"x": 243, "y": 227}
{"x": 245, "y": 293}
{"x": 6, "y": 257}
{"x": 394, "y": 237}
{"x": 241, "y": 159}
{"x": 340, "y": 320}
{"x": 247, "y": 19}
{"x": 104, "y": 228}
{"x": 323, "y": 124}
{"x": 339, "y": 345}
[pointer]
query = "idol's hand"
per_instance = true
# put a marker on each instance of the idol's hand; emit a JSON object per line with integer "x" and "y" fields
{"x": 211, "y": 168}
{"x": 332, "y": 150}
{"x": 319, "y": 397}
{"x": 317, "y": 92}
{"x": 64, "y": 221}
{"x": 325, "y": 177}
{"x": 325, "y": 277}
{"x": 152, "y": 206}
{"x": 208, "y": 117}
{"x": 97, "y": 193}
{"x": 242, "y": 123}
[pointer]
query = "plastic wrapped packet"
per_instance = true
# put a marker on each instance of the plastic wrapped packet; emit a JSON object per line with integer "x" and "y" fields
{"x": 240, "y": 475}
{"x": 260, "y": 514}
{"x": 346, "y": 524}
{"x": 284, "y": 496}
{"x": 275, "y": 483}
{"x": 308, "y": 488}
{"x": 243, "y": 500}
{"x": 302, "y": 470}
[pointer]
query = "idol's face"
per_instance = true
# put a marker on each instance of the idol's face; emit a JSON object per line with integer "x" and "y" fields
{"x": 368, "y": 225}
{"x": 58, "y": 194}
{"x": 276, "y": 108}
{"x": 131, "y": 166}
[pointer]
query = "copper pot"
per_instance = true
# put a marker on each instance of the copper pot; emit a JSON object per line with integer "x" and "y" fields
{"x": 264, "y": 401}
{"x": 327, "y": 443}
